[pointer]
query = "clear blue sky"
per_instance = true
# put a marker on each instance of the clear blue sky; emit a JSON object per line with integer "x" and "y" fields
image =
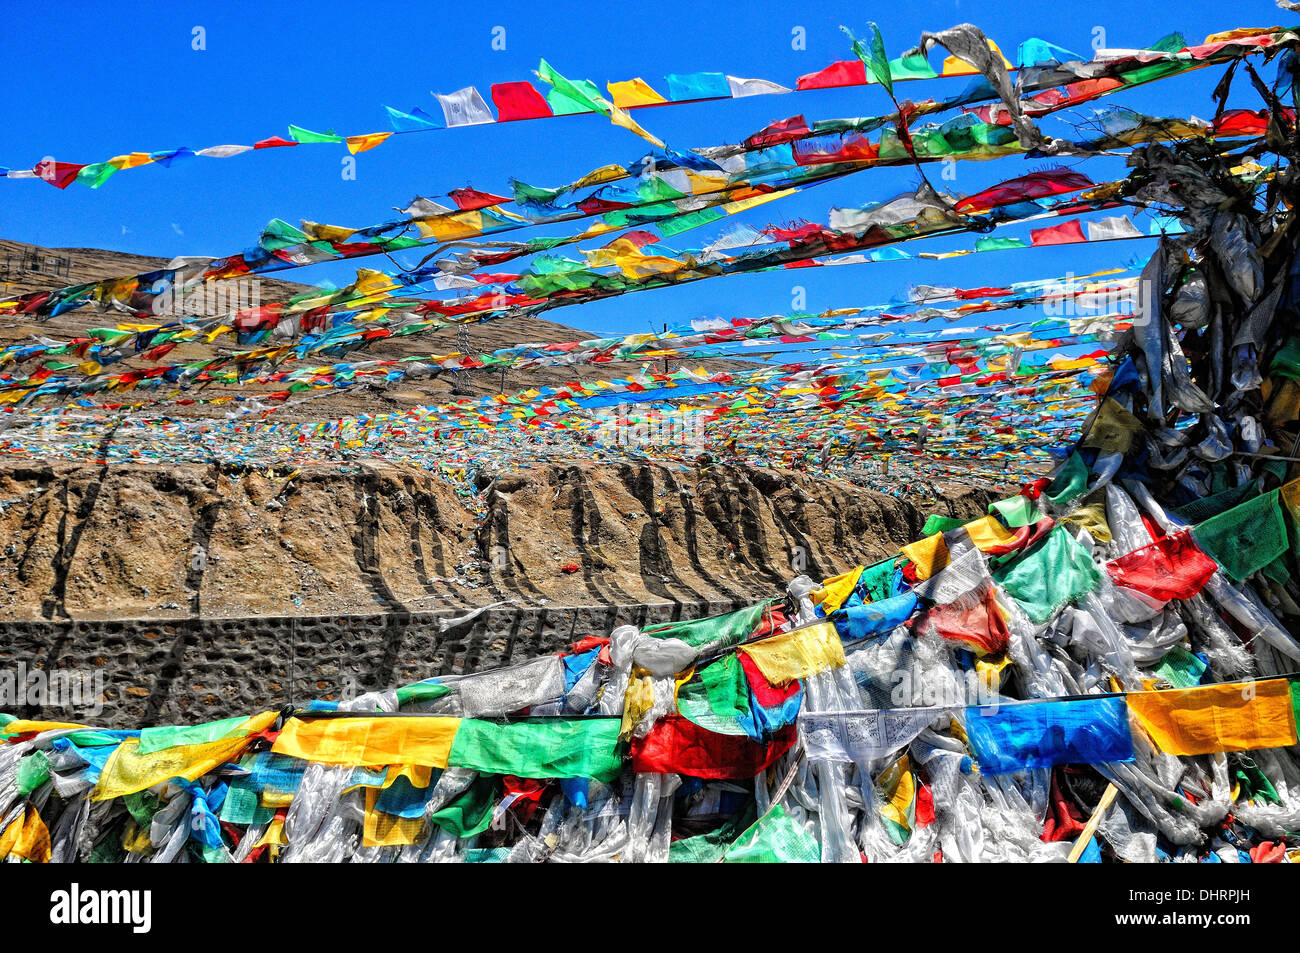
{"x": 88, "y": 81}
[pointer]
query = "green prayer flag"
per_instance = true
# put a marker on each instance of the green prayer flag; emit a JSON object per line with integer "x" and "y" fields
{"x": 684, "y": 223}
{"x": 1070, "y": 482}
{"x": 280, "y": 234}
{"x": 1245, "y": 538}
{"x": 715, "y": 631}
{"x": 726, "y": 687}
{"x": 1171, "y": 43}
{"x": 1180, "y": 668}
{"x": 1200, "y": 510}
{"x": 877, "y": 580}
{"x": 299, "y": 134}
{"x": 693, "y": 704}
{"x": 581, "y": 96}
{"x": 1255, "y": 785}
{"x": 1016, "y": 511}
{"x": 242, "y": 805}
{"x": 142, "y": 806}
{"x": 553, "y": 748}
{"x": 775, "y": 839}
{"x": 529, "y": 193}
{"x": 992, "y": 134}
{"x": 420, "y": 692}
{"x": 470, "y": 812}
{"x": 911, "y": 66}
{"x": 998, "y": 244}
{"x": 93, "y": 739}
{"x": 707, "y": 848}
{"x": 1054, "y": 572}
{"x": 937, "y": 523}
{"x": 96, "y": 174}
{"x": 169, "y": 736}
{"x": 31, "y": 773}
{"x": 873, "y": 56}
{"x": 656, "y": 188}
{"x": 1286, "y": 362}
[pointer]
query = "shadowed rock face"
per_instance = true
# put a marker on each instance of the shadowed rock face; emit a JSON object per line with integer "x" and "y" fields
{"x": 87, "y": 542}
{"x": 186, "y": 593}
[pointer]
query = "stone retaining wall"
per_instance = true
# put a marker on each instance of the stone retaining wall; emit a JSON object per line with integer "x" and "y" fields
{"x": 142, "y": 672}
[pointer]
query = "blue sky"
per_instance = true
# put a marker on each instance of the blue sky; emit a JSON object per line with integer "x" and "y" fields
{"x": 92, "y": 84}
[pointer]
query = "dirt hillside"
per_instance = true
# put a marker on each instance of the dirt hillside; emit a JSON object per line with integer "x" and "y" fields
{"x": 87, "y": 542}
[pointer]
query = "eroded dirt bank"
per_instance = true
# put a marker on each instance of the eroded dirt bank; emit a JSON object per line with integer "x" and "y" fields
{"x": 86, "y": 542}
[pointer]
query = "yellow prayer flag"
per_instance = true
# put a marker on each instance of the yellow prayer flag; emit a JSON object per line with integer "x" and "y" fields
{"x": 606, "y": 173}
{"x": 329, "y": 233}
{"x": 389, "y": 830}
{"x": 705, "y": 184}
{"x": 1093, "y": 519}
{"x": 744, "y": 205}
{"x": 990, "y": 673}
{"x": 27, "y": 837}
{"x": 929, "y": 555}
{"x": 899, "y": 788}
{"x": 446, "y": 228}
{"x": 637, "y": 700}
{"x": 368, "y": 141}
{"x": 621, "y": 118}
{"x": 21, "y": 727}
{"x": 370, "y": 282}
{"x": 136, "y": 839}
{"x": 633, "y": 92}
{"x": 1225, "y": 36}
{"x": 1291, "y": 499}
{"x": 130, "y": 161}
{"x": 836, "y": 590}
{"x": 369, "y": 742}
{"x": 987, "y": 533}
{"x": 797, "y": 654}
{"x": 128, "y": 771}
{"x": 1239, "y": 716}
{"x": 952, "y": 66}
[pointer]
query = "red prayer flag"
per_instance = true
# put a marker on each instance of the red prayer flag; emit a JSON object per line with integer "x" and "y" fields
{"x": 1065, "y": 234}
{"x": 1172, "y": 567}
{"x": 973, "y": 620}
{"x": 468, "y": 200}
{"x": 843, "y": 73}
{"x": 1242, "y": 122}
{"x": 764, "y": 692}
{"x": 1036, "y": 185}
{"x": 516, "y": 101}
{"x": 783, "y": 130}
{"x": 678, "y": 746}
{"x": 850, "y": 147}
{"x": 58, "y": 174}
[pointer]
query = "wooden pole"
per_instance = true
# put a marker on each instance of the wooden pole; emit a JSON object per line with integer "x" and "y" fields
{"x": 1107, "y": 799}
